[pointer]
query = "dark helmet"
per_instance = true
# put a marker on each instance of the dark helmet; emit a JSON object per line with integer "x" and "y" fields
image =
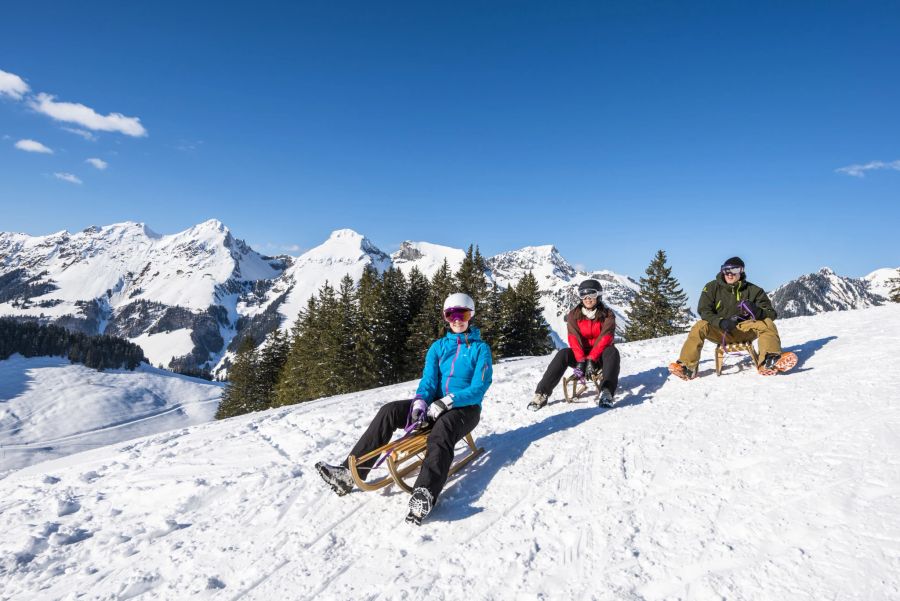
{"x": 589, "y": 287}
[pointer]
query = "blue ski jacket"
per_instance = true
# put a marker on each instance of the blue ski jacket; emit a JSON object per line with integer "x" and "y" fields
{"x": 459, "y": 365}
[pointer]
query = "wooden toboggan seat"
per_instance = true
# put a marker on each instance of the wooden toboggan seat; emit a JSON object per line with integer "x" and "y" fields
{"x": 404, "y": 456}
{"x": 734, "y": 347}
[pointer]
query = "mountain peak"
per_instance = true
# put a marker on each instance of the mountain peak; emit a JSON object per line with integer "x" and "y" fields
{"x": 211, "y": 224}
{"x": 345, "y": 234}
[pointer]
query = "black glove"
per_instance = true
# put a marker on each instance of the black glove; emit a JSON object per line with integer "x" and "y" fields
{"x": 590, "y": 369}
{"x": 751, "y": 311}
{"x": 729, "y": 324}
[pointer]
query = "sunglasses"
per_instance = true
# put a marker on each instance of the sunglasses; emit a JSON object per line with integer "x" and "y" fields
{"x": 589, "y": 294}
{"x": 458, "y": 314}
{"x": 730, "y": 270}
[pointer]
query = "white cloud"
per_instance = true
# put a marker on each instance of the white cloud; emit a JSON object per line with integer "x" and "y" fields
{"x": 85, "y": 116}
{"x": 860, "y": 170}
{"x": 67, "y": 177}
{"x": 12, "y": 85}
{"x": 98, "y": 163}
{"x": 33, "y": 146}
{"x": 81, "y": 132}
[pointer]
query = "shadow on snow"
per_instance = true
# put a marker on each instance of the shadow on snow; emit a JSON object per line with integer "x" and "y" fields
{"x": 506, "y": 448}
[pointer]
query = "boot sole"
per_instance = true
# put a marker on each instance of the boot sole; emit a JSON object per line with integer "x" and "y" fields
{"x": 786, "y": 362}
{"x": 678, "y": 371}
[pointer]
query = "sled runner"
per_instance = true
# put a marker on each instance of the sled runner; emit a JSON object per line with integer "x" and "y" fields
{"x": 573, "y": 387}
{"x": 734, "y": 347}
{"x": 403, "y": 457}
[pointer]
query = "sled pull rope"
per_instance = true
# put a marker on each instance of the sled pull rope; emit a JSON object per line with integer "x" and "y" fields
{"x": 410, "y": 430}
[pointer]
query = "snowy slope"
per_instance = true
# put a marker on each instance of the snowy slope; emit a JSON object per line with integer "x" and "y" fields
{"x": 739, "y": 488}
{"x": 51, "y": 408}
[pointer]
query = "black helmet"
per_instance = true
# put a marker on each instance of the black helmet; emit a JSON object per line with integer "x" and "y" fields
{"x": 589, "y": 287}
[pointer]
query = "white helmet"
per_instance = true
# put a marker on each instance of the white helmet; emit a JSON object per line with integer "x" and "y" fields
{"x": 459, "y": 300}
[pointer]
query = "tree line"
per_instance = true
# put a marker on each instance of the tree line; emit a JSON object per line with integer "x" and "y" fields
{"x": 31, "y": 339}
{"x": 376, "y": 331}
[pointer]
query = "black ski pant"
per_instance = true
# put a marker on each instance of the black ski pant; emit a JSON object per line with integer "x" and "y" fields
{"x": 609, "y": 362}
{"x": 449, "y": 429}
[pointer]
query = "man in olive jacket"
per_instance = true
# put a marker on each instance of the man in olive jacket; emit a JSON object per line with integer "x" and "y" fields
{"x": 734, "y": 310}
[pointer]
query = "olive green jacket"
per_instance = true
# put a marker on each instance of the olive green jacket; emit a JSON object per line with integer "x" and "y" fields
{"x": 720, "y": 300}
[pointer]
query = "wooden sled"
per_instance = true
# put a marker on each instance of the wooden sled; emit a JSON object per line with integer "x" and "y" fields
{"x": 403, "y": 459}
{"x": 572, "y": 386}
{"x": 734, "y": 347}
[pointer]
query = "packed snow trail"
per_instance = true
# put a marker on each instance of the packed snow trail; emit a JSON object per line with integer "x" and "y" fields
{"x": 734, "y": 487}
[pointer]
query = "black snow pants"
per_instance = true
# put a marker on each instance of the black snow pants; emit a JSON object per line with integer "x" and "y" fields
{"x": 609, "y": 362}
{"x": 449, "y": 429}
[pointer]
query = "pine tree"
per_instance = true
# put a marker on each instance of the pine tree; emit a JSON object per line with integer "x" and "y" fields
{"x": 239, "y": 395}
{"x": 894, "y": 295}
{"x": 418, "y": 335}
{"x": 272, "y": 359}
{"x": 660, "y": 307}
{"x": 522, "y": 329}
{"x": 471, "y": 279}
{"x": 366, "y": 349}
{"x": 290, "y": 386}
{"x": 393, "y": 311}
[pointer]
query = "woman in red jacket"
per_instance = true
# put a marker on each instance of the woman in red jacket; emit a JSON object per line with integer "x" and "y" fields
{"x": 592, "y": 328}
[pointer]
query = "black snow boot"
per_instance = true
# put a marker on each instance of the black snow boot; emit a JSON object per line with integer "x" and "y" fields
{"x": 420, "y": 504}
{"x": 337, "y": 477}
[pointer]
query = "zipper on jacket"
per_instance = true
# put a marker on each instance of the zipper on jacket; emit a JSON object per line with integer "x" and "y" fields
{"x": 453, "y": 365}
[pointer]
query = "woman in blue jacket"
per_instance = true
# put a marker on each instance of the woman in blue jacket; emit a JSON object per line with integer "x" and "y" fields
{"x": 456, "y": 375}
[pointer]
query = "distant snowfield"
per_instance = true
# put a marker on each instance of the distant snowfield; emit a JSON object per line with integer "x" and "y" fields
{"x": 162, "y": 347}
{"x": 50, "y": 408}
{"x": 734, "y": 487}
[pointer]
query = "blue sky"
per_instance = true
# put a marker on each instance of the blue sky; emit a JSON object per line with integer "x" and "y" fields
{"x": 608, "y": 129}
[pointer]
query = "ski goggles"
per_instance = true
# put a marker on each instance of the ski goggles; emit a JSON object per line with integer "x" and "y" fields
{"x": 589, "y": 294}
{"x": 732, "y": 270}
{"x": 457, "y": 314}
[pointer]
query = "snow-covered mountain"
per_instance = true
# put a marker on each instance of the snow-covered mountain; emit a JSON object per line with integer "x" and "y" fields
{"x": 427, "y": 257}
{"x": 175, "y": 295}
{"x": 879, "y": 281}
{"x": 186, "y": 296}
{"x": 733, "y": 487}
{"x": 823, "y": 291}
{"x": 558, "y": 282}
{"x": 52, "y": 408}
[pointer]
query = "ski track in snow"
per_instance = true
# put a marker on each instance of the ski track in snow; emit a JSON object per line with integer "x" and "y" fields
{"x": 733, "y": 487}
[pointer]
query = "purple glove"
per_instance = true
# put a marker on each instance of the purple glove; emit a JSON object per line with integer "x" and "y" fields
{"x": 418, "y": 409}
{"x": 578, "y": 372}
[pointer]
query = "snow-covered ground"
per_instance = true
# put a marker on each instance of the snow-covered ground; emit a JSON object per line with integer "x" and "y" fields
{"x": 734, "y": 487}
{"x": 50, "y": 407}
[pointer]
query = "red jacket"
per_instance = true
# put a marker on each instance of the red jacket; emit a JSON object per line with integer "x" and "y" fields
{"x": 590, "y": 337}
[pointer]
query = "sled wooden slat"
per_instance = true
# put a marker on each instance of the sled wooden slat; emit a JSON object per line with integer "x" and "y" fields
{"x": 734, "y": 347}
{"x": 572, "y": 387}
{"x": 405, "y": 458}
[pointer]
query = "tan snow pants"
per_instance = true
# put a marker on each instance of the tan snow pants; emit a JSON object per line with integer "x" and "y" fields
{"x": 765, "y": 330}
